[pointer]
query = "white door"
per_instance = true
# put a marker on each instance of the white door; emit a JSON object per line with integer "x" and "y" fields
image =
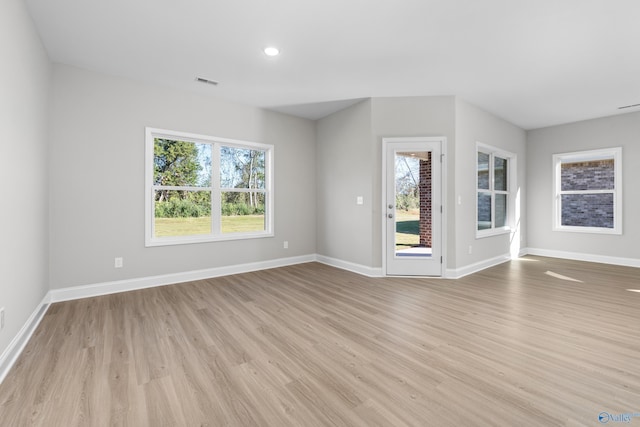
{"x": 413, "y": 206}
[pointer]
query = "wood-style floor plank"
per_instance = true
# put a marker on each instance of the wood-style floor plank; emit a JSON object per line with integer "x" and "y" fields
{"x": 535, "y": 341}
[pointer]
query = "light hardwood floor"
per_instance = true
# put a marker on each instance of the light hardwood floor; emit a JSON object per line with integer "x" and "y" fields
{"x": 532, "y": 342}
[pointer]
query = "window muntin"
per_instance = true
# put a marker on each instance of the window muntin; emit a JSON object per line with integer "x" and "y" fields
{"x": 587, "y": 191}
{"x": 202, "y": 188}
{"x": 493, "y": 183}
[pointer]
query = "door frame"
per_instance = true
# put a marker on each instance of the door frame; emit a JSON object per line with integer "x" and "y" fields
{"x": 443, "y": 189}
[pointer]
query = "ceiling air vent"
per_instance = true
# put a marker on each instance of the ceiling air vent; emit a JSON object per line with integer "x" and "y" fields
{"x": 628, "y": 106}
{"x": 207, "y": 81}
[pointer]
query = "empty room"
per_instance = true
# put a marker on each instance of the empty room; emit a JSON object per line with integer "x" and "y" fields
{"x": 409, "y": 213}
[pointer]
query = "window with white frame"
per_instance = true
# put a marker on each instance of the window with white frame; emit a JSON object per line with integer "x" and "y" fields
{"x": 588, "y": 191}
{"x": 202, "y": 188}
{"x": 495, "y": 179}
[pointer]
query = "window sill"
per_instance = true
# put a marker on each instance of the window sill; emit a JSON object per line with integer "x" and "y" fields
{"x": 493, "y": 232}
{"x": 589, "y": 230}
{"x": 170, "y": 241}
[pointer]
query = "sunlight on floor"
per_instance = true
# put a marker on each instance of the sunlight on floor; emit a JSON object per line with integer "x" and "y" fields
{"x": 634, "y": 290}
{"x": 560, "y": 276}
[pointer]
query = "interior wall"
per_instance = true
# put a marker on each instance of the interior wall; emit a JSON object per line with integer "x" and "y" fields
{"x": 97, "y": 178}
{"x": 405, "y": 117}
{"x": 24, "y": 85}
{"x": 615, "y": 131}
{"x": 344, "y": 156}
{"x": 355, "y": 235}
{"x": 475, "y": 125}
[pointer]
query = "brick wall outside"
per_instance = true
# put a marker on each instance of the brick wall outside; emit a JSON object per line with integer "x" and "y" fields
{"x": 587, "y": 210}
{"x": 484, "y": 210}
{"x": 424, "y": 189}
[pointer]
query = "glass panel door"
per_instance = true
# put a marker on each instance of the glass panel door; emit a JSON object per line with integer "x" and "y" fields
{"x": 413, "y": 216}
{"x": 413, "y": 204}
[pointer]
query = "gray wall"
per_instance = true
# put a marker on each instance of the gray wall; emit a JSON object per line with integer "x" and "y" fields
{"x": 615, "y": 131}
{"x": 24, "y": 89}
{"x": 344, "y": 161}
{"x": 350, "y": 165}
{"x": 97, "y": 178}
{"x": 475, "y": 125}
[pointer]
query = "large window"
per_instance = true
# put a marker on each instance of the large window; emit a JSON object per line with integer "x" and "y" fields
{"x": 202, "y": 188}
{"x": 494, "y": 172}
{"x": 588, "y": 191}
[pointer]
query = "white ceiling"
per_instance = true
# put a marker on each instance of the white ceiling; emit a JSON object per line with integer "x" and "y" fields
{"x": 533, "y": 62}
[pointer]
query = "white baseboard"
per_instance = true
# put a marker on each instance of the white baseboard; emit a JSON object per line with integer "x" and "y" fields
{"x": 577, "y": 256}
{"x": 457, "y": 273}
{"x": 449, "y": 273}
{"x": 11, "y": 353}
{"x": 349, "y": 266}
{"x": 106, "y": 288}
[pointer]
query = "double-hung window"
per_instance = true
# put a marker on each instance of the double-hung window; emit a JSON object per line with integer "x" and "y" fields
{"x": 588, "y": 191}
{"x": 494, "y": 176}
{"x": 202, "y": 188}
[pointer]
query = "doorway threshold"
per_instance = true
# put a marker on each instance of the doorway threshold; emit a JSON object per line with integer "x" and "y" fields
{"x": 418, "y": 251}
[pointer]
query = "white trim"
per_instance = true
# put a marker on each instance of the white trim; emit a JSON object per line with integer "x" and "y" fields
{"x": 488, "y": 232}
{"x": 577, "y": 256}
{"x": 208, "y": 238}
{"x": 458, "y": 273}
{"x": 19, "y": 342}
{"x": 349, "y": 266}
{"x": 215, "y": 189}
{"x": 106, "y": 288}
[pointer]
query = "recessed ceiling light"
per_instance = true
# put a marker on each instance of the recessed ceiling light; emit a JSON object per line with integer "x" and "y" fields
{"x": 271, "y": 51}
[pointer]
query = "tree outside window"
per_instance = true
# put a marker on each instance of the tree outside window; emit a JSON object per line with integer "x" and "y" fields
{"x": 205, "y": 188}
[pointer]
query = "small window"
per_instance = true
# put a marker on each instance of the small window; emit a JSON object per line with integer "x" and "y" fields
{"x": 494, "y": 183}
{"x": 202, "y": 188}
{"x": 587, "y": 191}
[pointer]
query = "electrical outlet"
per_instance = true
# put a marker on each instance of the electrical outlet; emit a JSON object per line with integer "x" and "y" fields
{"x": 118, "y": 262}
{"x": 286, "y": 244}
{"x": 470, "y": 249}
{"x": 2, "y": 318}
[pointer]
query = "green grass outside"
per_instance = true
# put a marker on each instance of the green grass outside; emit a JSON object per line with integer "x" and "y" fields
{"x": 166, "y": 227}
{"x": 407, "y": 226}
{"x": 407, "y": 229}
